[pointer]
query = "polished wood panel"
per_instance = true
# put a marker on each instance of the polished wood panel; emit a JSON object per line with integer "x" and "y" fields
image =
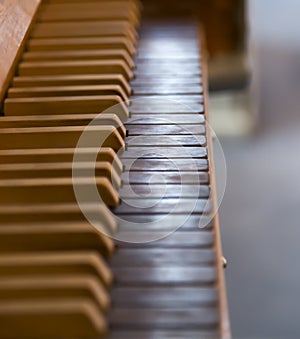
{"x": 16, "y": 17}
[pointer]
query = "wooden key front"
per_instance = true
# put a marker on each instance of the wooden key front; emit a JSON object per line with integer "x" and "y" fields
{"x": 75, "y": 67}
{"x": 63, "y": 120}
{"x": 62, "y": 136}
{"x": 99, "y": 215}
{"x": 95, "y": 28}
{"x": 54, "y": 155}
{"x": 57, "y": 190}
{"x": 60, "y": 170}
{"x": 65, "y": 44}
{"x": 91, "y": 5}
{"x": 74, "y": 263}
{"x": 192, "y": 178}
{"x": 169, "y": 191}
{"x": 161, "y": 297}
{"x": 133, "y": 4}
{"x": 115, "y": 54}
{"x": 51, "y": 318}
{"x": 54, "y": 237}
{"x": 31, "y": 92}
{"x": 73, "y": 80}
{"x": 167, "y": 140}
{"x": 155, "y": 257}
{"x": 165, "y": 318}
{"x": 101, "y": 11}
{"x": 66, "y": 105}
{"x": 39, "y": 287}
{"x": 156, "y": 206}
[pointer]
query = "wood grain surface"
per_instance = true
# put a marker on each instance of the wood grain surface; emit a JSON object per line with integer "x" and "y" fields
{"x": 16, "y": 17}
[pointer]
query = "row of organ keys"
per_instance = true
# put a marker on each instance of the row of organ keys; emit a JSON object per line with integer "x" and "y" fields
{"x": 77, "y": 62}
{"x": 85, "y": 71}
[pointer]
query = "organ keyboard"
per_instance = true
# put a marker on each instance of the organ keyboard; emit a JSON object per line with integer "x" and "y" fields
{"x": 143, "y": 259}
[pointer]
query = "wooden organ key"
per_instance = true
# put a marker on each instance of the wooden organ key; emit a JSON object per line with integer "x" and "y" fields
{"x": 134, "y": 264}
{"x": 72, "y": 80}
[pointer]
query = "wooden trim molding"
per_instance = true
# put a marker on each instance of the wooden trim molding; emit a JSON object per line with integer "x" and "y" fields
{"x": 225, "y": 328}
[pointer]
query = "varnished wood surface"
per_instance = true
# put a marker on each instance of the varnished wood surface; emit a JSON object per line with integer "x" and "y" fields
{"x": 53, "y": 237}
{"x": 166, "y": 119}
{"x": 58, "y": 137}
{"x": 187, "y": 258}
{"x": 58, "y": 170}
{"x": 164, "y": 334}
{"x": 183, "y": 206}
{"x": 40, "y": 215}
{"x": 159, "y": 296}
{"x": 28, "y": 121}
{"x": 72, "y": 80}
{"x": 43, "y": 68}
{"x": 192, "y": 239}
{"x": 67, "y": 91}
{"x": 65, "y": 105}
{"x": 54, "y": 190}
{"x": 165, "y": 178}
{"x": 151, "y": 257}
{"x": 162, "y": 165}
{"x": 54, "y": 155}
{"x": 170, "y": 191}
{"x": 52, "y": 314}
{"x": 64, "y": 277}
{"x": 163, "y": 130}
{"x": 165, "y": 152}
{"x": 90, "y": 262}
{"x": 54, "y": 287}
{"x": 83, "y": 29}
{"x": 15, "y": 21}
{"x": 104, "y": 11}
{"x": 57, "y": 213}
{"x": 79, "y": 55}
{"x": 103, "y": 43}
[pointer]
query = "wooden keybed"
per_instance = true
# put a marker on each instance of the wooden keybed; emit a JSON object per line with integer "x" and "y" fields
{"x": 60, "y": 276}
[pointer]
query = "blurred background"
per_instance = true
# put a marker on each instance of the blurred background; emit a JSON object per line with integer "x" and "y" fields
{"x": 257, "y": 120}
